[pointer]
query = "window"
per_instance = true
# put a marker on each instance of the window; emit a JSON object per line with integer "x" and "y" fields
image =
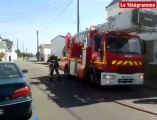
{"x": 99, "y": 45}
{"x": 99, "y": 42}
{"x": 123, "y": 44}
{"x": 8, "y": 70}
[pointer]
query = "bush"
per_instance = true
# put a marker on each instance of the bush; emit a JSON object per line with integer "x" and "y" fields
{"x": 1, "y": 55}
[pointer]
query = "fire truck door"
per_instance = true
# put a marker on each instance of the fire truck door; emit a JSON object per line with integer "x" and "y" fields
{"x": 99, "y": 46}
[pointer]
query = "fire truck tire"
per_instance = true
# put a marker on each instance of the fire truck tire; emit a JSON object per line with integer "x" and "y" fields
{"x": 90, "y": 78}
{"x": 66, "y": 72}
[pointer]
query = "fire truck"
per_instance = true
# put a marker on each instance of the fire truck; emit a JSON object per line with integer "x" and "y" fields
{"x": 111, "y": 53}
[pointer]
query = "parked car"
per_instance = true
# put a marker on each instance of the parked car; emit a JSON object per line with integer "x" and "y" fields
{"x": 15, "y": 93}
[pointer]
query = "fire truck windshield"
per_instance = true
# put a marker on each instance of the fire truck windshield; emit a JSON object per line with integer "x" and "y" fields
{"x": 123, "y": 44}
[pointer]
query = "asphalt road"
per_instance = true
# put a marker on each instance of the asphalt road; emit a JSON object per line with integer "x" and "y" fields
{"x": 74, "y": 100}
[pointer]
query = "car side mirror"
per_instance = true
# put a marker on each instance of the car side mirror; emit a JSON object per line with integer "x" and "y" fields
{"x": 25, "y": 71}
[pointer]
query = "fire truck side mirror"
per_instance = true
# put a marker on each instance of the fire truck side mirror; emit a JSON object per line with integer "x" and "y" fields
{"x": 144, "y": 47}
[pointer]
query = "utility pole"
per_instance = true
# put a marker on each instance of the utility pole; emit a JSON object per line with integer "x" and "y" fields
{"x": 78, "y": 17}
{"x": 17, "y": 44}
{"x": 23, "y": 51}
{"x": 17, "y": 49}
{"x": 37, "y": 45}
{"x": 26, "y": 54}
{"x": 23, "y": 48}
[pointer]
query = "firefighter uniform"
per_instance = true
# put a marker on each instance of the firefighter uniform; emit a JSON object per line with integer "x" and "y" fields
{"x": 54, "y": 65}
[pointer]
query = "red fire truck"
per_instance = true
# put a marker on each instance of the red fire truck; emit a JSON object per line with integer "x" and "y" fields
{"x": 104, "y": 57}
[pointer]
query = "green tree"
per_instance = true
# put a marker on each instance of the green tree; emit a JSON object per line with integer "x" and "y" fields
{"x": 30, "y": 55}
{"x": 19, "y": 54}
{"x": 2, "y": 55}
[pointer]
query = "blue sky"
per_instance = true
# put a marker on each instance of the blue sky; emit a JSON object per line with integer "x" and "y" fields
{"x": 22, "y": 18}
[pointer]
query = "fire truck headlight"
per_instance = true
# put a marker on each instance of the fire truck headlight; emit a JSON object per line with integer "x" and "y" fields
{"x": 141, "y": 77}
{"x": 108, "y": 77}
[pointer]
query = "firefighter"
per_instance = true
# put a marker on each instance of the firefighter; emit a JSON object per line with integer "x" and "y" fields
{"x": 53, "y": 65}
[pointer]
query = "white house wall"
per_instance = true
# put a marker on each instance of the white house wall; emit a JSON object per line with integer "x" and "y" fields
{"x": 114, "y": 9}
{"x": 57, "y": 45}
{"x": 12, "y": 54}
{"x": 2, "y": 50}
{"x": 47, "y": 51}
{"x": 44, "y": 53}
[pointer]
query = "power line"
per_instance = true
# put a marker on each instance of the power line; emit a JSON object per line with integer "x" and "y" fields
{"x": 54, "y": 20}
{"x": 21, "y": 17}
{"x": 97, "y": 2}
{"x": 33, "y": 12}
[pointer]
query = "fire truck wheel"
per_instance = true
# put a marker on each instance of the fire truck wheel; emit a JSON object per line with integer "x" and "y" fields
{"x": 66, "y": 72}
{"x": 90, "y": 78}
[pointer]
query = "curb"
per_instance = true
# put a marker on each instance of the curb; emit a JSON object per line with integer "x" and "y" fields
{"x": 136, "y": 108}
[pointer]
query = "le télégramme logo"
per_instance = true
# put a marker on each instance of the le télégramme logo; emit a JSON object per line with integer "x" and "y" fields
{"x": 138, "y": 4}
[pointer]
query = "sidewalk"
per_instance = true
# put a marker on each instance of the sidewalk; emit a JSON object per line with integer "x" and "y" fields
{"x": 148, "y": 105}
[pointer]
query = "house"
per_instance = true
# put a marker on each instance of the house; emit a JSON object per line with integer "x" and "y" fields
{"x": 2, "y": 51}
{"x": 113, "y": 8}
{"x": 45, "y": 51}
{"x": 151, "y": 38}
{"x": 57, "y": 45}
{"x": 9, "y": 50}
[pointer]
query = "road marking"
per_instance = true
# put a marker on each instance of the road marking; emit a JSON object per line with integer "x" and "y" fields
{"x": 36, "y": 118}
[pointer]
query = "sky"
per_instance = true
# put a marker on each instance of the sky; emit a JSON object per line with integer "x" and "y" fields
{"x": 20, "y": 19}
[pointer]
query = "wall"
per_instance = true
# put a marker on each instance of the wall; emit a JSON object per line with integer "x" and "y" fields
{"x": 57, "y": 45}
{"x": 47, "y": 50}
{"x": 12, "y": 54}
{"x": 44, "y": 53}
{"x": 2, "y": 50}
{"x": 114, "y": 9}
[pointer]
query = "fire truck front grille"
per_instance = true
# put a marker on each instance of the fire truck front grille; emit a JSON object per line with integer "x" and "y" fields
{"x": 128, "y": 70}
{"x": 125, "y": 80}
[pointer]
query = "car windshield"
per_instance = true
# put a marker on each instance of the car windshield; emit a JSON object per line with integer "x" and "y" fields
{"x": 123, "y": 44}
{"x": 9, "y": 70}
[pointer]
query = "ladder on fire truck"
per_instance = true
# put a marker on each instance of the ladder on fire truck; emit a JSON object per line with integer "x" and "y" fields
{"x": 134, "y": 20}
{"x": 131, "y": 21}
